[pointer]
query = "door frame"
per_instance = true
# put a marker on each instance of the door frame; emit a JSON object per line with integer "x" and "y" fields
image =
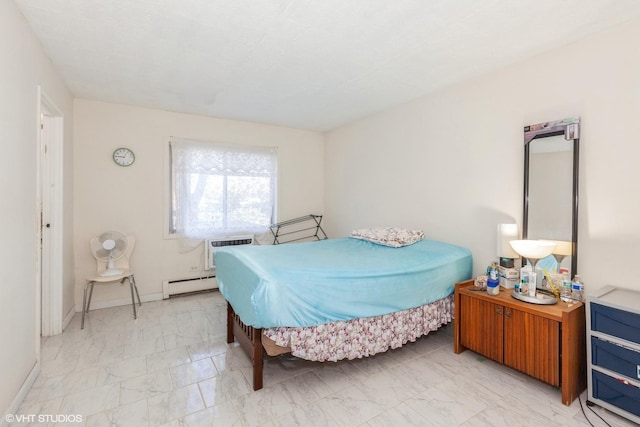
{"x": 49, "y": 293}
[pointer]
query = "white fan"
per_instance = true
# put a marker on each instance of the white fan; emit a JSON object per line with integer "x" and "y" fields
{"x": 108, "y": 247}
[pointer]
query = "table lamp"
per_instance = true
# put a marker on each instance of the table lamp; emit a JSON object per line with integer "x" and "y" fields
{"x": 506, "y": 254}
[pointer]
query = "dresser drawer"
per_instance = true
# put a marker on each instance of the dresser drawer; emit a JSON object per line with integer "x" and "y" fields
{"x": 608, "y": 355}
{"x": 616, "y": 392}
{"x": 614, "y": 322}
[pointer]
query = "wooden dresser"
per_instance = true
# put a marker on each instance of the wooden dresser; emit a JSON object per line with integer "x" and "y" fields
{"x": 547, "y": 342}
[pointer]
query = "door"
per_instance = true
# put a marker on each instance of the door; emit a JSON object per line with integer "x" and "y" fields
{"x": 535, "y": 352}
{"x": 481, "y": 322}
{"x": 49, "y": 287}
{"x": 45, "y": 221}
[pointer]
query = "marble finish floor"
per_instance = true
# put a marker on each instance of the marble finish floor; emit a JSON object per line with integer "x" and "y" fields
{"x": 172, "y": 367}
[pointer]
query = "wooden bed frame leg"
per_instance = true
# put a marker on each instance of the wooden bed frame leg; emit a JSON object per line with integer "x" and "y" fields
{"x": 258, "y": 361}
{"x": 230, "y": 316}
{"x": 250, "y": 340}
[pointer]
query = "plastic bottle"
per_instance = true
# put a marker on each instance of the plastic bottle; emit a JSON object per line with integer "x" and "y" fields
{"x": 493, "y": 283}
{"x": 565, "y": 291}
{"x": 577, "y": 288}
{"x": 525, "y": 277}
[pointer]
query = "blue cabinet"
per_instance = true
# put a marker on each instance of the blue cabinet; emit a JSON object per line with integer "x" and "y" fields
{"x": 613, "y": 350}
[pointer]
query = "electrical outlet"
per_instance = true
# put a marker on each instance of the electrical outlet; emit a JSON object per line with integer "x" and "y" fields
{"x": 194, "y": 268}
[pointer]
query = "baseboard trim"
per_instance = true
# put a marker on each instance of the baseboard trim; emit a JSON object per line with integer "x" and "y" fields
{"x": 22, "y": 394}
{"x": 68, "y": 318}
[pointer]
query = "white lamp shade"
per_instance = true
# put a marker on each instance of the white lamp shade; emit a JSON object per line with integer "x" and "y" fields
{"x": 506, "y": 233}
{"x": 562, "y": 247}
{"x": 533, "y": 249}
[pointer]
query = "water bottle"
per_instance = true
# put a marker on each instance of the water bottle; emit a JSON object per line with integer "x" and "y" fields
{"x": 577, "y": 288}
{"x": 565, "y": 291}
{"x": 493, "y": 284}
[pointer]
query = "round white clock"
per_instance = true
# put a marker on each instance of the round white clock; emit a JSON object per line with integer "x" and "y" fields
{"x": 123, "y": 157}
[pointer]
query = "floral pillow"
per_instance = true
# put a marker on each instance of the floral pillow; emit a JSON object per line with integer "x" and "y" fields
{"x": 389, "y": 236}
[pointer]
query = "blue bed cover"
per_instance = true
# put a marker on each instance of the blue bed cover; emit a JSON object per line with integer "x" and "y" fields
{"x": 311, "y": 283}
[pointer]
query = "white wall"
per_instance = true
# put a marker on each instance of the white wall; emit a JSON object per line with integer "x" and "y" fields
{"x": 23, "y": 66}
{"x": 132, "y": 199}
{"x": 451, "y": 163}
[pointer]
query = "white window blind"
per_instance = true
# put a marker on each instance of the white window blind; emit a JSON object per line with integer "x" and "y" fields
{"x": 221, "y": 189}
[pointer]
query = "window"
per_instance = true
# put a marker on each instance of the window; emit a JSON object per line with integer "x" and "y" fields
{"x": 221, "y": 189}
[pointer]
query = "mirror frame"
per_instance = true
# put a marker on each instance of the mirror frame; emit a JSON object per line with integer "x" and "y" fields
{"x": 570, "y": 128}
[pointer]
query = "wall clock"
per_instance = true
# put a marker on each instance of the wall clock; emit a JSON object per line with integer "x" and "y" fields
{"x": 123, "y": 156}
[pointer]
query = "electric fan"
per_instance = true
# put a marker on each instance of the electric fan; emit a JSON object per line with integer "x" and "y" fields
{"x": 108, "y": 247}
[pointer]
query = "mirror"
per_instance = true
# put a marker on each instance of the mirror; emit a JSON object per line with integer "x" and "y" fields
{"x": 551, "y": 189}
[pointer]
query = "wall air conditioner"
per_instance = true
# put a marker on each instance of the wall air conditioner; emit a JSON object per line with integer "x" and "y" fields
{"x": 211, "y": 246}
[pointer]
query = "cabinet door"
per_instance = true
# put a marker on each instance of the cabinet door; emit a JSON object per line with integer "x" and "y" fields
{"x": 481, "y": 326}
{"x": 532, "y": 345}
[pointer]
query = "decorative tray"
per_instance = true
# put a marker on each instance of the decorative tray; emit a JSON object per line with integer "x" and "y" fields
{"x": 540, "y": 298}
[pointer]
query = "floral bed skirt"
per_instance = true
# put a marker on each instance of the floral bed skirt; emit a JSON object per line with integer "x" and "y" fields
{"x": 358, "y": 338}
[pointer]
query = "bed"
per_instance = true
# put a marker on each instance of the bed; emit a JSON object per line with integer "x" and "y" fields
{"x": 336, "y": 298}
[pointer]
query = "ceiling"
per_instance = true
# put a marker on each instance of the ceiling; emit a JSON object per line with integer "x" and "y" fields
{"x": 310, "y": 64}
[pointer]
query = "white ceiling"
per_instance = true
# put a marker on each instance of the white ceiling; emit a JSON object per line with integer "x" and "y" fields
{"x": 311, "y": 64}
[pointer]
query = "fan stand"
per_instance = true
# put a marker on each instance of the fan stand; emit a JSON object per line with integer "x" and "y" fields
{"x": 111, "y": 271}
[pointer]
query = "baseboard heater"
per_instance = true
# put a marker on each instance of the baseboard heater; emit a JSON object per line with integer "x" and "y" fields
{"x": 184, "y": 286}
{"x": 195, "y": 284}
